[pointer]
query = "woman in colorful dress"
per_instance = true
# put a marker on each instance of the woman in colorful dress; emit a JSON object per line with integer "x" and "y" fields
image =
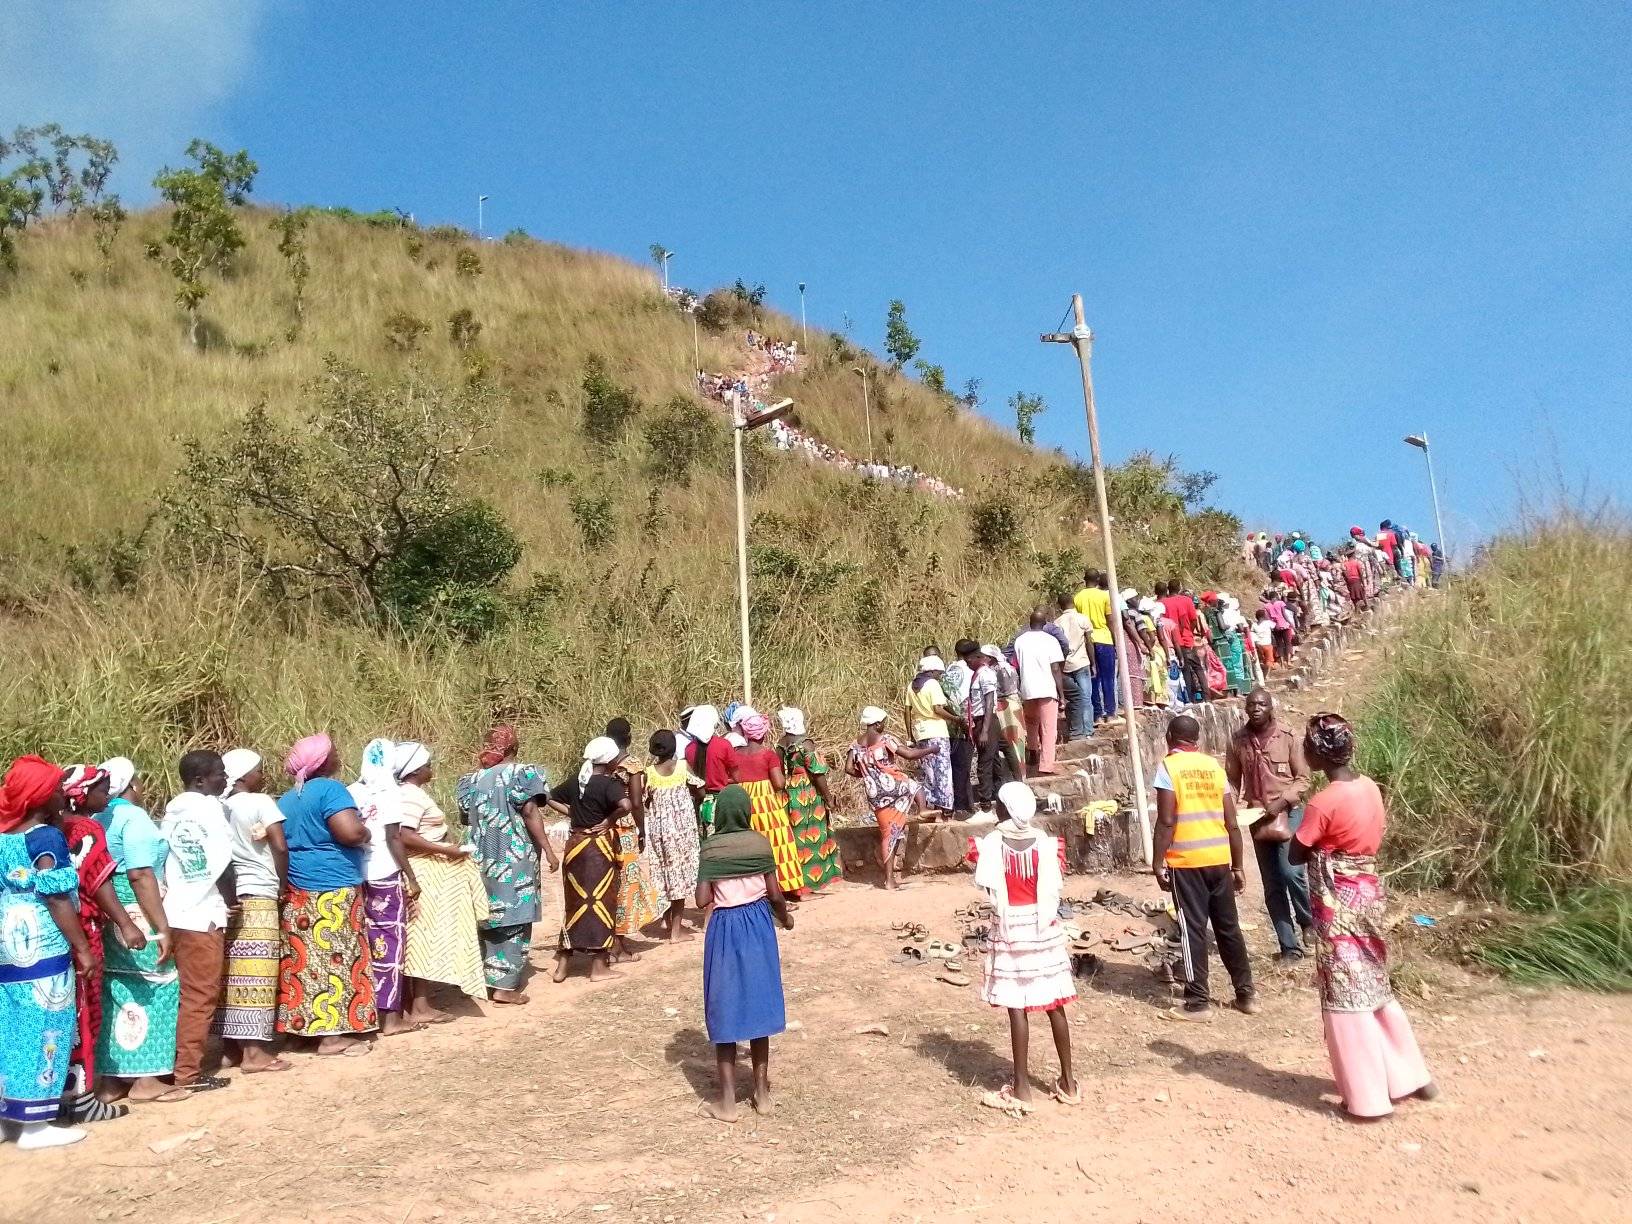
{"x": 86, "y": 789}
{"x": 808, "y": 802}
{"x": 1133, "y": 646}
{"x": 141, "y": 990}
{"x": 890, "y": 792}
{"x": 325, "y": 987}
{"x": 589, "y": 865}
{"x": 247, "y": 1019}
{"x": 1020, "y": 870}
{"x": 928, "y": 715}
{"x": 671, "y": 829}
{"x": 1374, "y": 1053}
{"x": 442, "y": 943}
{"x": 738, "y": 881}
{"x": 503, "y": 807}
{"x": 759, "y": 771}
{"x": 389, "y": 886}
{"x": 41, "y": 945}
{"x": 639, "y": 904}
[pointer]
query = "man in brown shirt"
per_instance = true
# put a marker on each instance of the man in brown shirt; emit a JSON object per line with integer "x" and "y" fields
{"x": 1266, "y": 767}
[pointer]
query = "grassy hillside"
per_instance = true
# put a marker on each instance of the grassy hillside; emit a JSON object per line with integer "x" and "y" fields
{"x": 113, "y": 640}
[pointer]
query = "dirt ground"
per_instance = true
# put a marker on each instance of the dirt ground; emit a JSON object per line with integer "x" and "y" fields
{"x": 583, "y": 1105}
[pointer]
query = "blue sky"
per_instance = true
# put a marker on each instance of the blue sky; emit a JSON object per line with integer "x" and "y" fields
{"x": 1301, "y": 230}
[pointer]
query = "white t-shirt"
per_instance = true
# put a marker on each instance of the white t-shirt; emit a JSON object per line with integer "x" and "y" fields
{"x": 1036, "y": 650}
{"x": 195, "y": 826}
{"x": 249, "y": 817}
{"x": 1263, "y": 633}
{"x": 377, "y": 862}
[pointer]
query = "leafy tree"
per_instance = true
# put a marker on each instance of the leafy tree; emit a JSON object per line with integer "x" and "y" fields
{"x": 933, "y": 376}
{"x": 1027, "y": 408}
{"x": 682, "y": 436}
{"x": 608, "y": 408}
{"x": 203, "y": 233}
{"x": 362, "y": 503}
{"x": 994, "y": 525}
{"x": 661, "y": 256}
{"x": 53, "y": 169}
{"x": 899, "y": 342}
{"x": 517, "y": 237}
{"x": 449, "y": 572}
{"x": 107, "y": 219}
{"x": 290, "y": 227}
{"x": 970, "y": 398}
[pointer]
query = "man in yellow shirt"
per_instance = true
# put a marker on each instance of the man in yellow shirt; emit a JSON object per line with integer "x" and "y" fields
{"x": 1094, "y": 602}
{"x": 1198, "y": 857}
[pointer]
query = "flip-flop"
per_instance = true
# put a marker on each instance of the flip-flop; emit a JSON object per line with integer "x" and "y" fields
{"x": 205, "y": 1083}
{"x": 1058, "y": 1092}
{"x": 952, "y": 977}
{"x": 941, "y": 950}
{"x": 910, "y": 955}
{"x": 352, "y": 1049}
{"x": 1004, "y": 1101}
{"x": 277, "y": 1064}
{"x": 1083, "y": 944}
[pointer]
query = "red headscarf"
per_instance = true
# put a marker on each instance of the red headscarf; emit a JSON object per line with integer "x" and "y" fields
{"x": 28, "y": 784}
{"x": 80, "y": 781}
{"x": 500, "y": 743}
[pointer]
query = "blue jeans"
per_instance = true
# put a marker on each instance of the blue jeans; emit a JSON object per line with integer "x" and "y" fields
{"x": 1104, "y": 681}
{"x": 1077, "y": 684}
{"x": 1286, "y": 888}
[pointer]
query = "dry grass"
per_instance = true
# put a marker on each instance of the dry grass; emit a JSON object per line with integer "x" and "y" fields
{"x": 99, "y": 382}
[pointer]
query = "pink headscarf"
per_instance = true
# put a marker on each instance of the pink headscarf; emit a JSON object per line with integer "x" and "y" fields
{"x": 308, "y": 756}
{"x": 756, "y": 727}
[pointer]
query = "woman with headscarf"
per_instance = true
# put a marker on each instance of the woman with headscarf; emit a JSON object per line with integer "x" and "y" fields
{"x": 141, "y": 990}
{"x": 593, "y": 801}
{"x": 503, "y": 806}
{"x": 742, "y": 966}
{"x": 928, "y": 715}
{"x": 1233, "y": 653}
{"x": 639, "y": 904}
{"x": 86, "y": 790}
{"x": 710, "y": 757}
{"x": 1027, "y": 968}
{"x": 808, "y": 802}
{"x": 389, "y": 886}
{"x": 1374, "y": 1053}
{"x": 441, "y": 938}
{"x": 1157, "y": 691}
{"x": 247, "y": 1018}
{"x": 671, "y": 829}
{"x": 326, "y": 987}
{"x": 1133, "y": 644}
{"x": 890, "y": 792}
{"x": 41, "y": 946}
{"x": 759, "y": 771}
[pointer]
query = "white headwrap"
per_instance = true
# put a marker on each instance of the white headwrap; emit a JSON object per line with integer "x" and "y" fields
{"x": 931, "y": 663}
{"x": 871, "y": 715}
{"x": 1020, "y": 803}
{"x": 1129, "y": 594}
{"x": 741, "y": 714}
{"x": 121, "y": 773}
{"x": 992, "y": 858}
{"x": 377, "y": 780}
{"x": 792, "y": 720}
{"x": 704, "y": 721}
{"x": 239, "y": 761}
{"x": 602, "y": 750}
{"x": 410, "y": 755}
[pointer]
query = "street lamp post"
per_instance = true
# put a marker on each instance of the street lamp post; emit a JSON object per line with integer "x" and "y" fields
{"x": 667, "y": 255}
{"x": 867, "y": 411}
{"x": 1420, "y": 441}
{"x": 481, "y": 215}
{"x": 1083, "y": 340}
{"x": 804, "y": 332}
{"x": 741, "y": 424}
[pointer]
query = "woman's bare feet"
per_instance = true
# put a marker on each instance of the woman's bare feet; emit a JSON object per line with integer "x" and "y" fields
{"x": 255, "y": 1057}
{"x": 508, "y": 998}
{"x": 600, "y": 969}
{"x": 349, "y": 1046}
{"x": 563, "y": 962}
{"x": 149, "y": 1089}
{"x": 394, "y": 1024}
{"x": 720, "y": 1111}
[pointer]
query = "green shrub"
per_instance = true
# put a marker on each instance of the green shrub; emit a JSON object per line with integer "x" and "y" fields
{"x": 596, "y": 519}
{"x": 403, "y": 330}
{"x": 608, "y": 407}
{"x": 448, "y": 572}
{"x": 994, "y": 525}
{"x": 680, "y": 437}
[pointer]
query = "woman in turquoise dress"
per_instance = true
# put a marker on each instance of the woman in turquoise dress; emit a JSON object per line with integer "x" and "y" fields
{"x": 41, "y": 944}
{"x": 140, "y": 988}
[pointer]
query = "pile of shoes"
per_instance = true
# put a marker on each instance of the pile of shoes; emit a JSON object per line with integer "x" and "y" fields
{"x": 918, "y": 949}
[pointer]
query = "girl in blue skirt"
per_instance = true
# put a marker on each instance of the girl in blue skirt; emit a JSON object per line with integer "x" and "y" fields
{"x": 742, "y": 969}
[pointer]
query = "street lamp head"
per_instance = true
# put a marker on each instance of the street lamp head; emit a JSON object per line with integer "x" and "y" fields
{"x": 1420, "y": 441}
{"x": 483, "y": 199}
{"x": 858, "y": 371}
{"x": 801, "y": 286}
{"x": 767, "y": 414}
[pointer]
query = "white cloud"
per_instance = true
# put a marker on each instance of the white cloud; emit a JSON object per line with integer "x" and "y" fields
{"x": 147, "y": 74}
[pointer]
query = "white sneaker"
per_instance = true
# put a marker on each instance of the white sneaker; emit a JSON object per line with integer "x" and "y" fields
{"x": 43, "y": 1135}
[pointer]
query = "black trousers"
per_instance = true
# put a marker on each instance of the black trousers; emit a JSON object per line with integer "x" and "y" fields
{"x": 1195, "y": 675}
{"x": 1204, "y": 895}
{"x": 963, "y": 758}
{"x": 994, "y": 766}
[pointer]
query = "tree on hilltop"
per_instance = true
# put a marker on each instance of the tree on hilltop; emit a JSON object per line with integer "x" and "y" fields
{"x": 899, "y": 342}
{"x": 1027, "y": 408}
{"x": 55, "y": 171}
{"x": 203, "y": 234}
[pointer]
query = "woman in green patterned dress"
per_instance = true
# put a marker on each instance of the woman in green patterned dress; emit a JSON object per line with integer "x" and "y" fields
{"x": 808, "y": 802}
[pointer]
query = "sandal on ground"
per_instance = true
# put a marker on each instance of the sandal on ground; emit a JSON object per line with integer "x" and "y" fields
{"x": 171, "y": 1096}
{"x": 953, "y": 977}
{"x": 277, "y": 1064}
{"x": 1083, "y": 944}
{"x": 910, "y": 955}
{"x": 1058, "y": 1092}
{"x": 1004, "y": 1101}
{"x": 205, "y": 1083}
{"x": 354, "y": 1049}
{"x": 939, "y": 949}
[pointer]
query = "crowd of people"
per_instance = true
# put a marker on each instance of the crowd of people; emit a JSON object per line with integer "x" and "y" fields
{"x": 751, "y": 388}
{"x": 333, "y": 913}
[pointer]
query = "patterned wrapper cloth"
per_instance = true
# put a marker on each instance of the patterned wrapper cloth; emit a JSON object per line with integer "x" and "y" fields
{"x": 140, "y": 999}
{"x": 326, "y": 987}
{"x": 249, "y": 995}
{"x": 588, "y": 876}
{"x": 385, "y": 910}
